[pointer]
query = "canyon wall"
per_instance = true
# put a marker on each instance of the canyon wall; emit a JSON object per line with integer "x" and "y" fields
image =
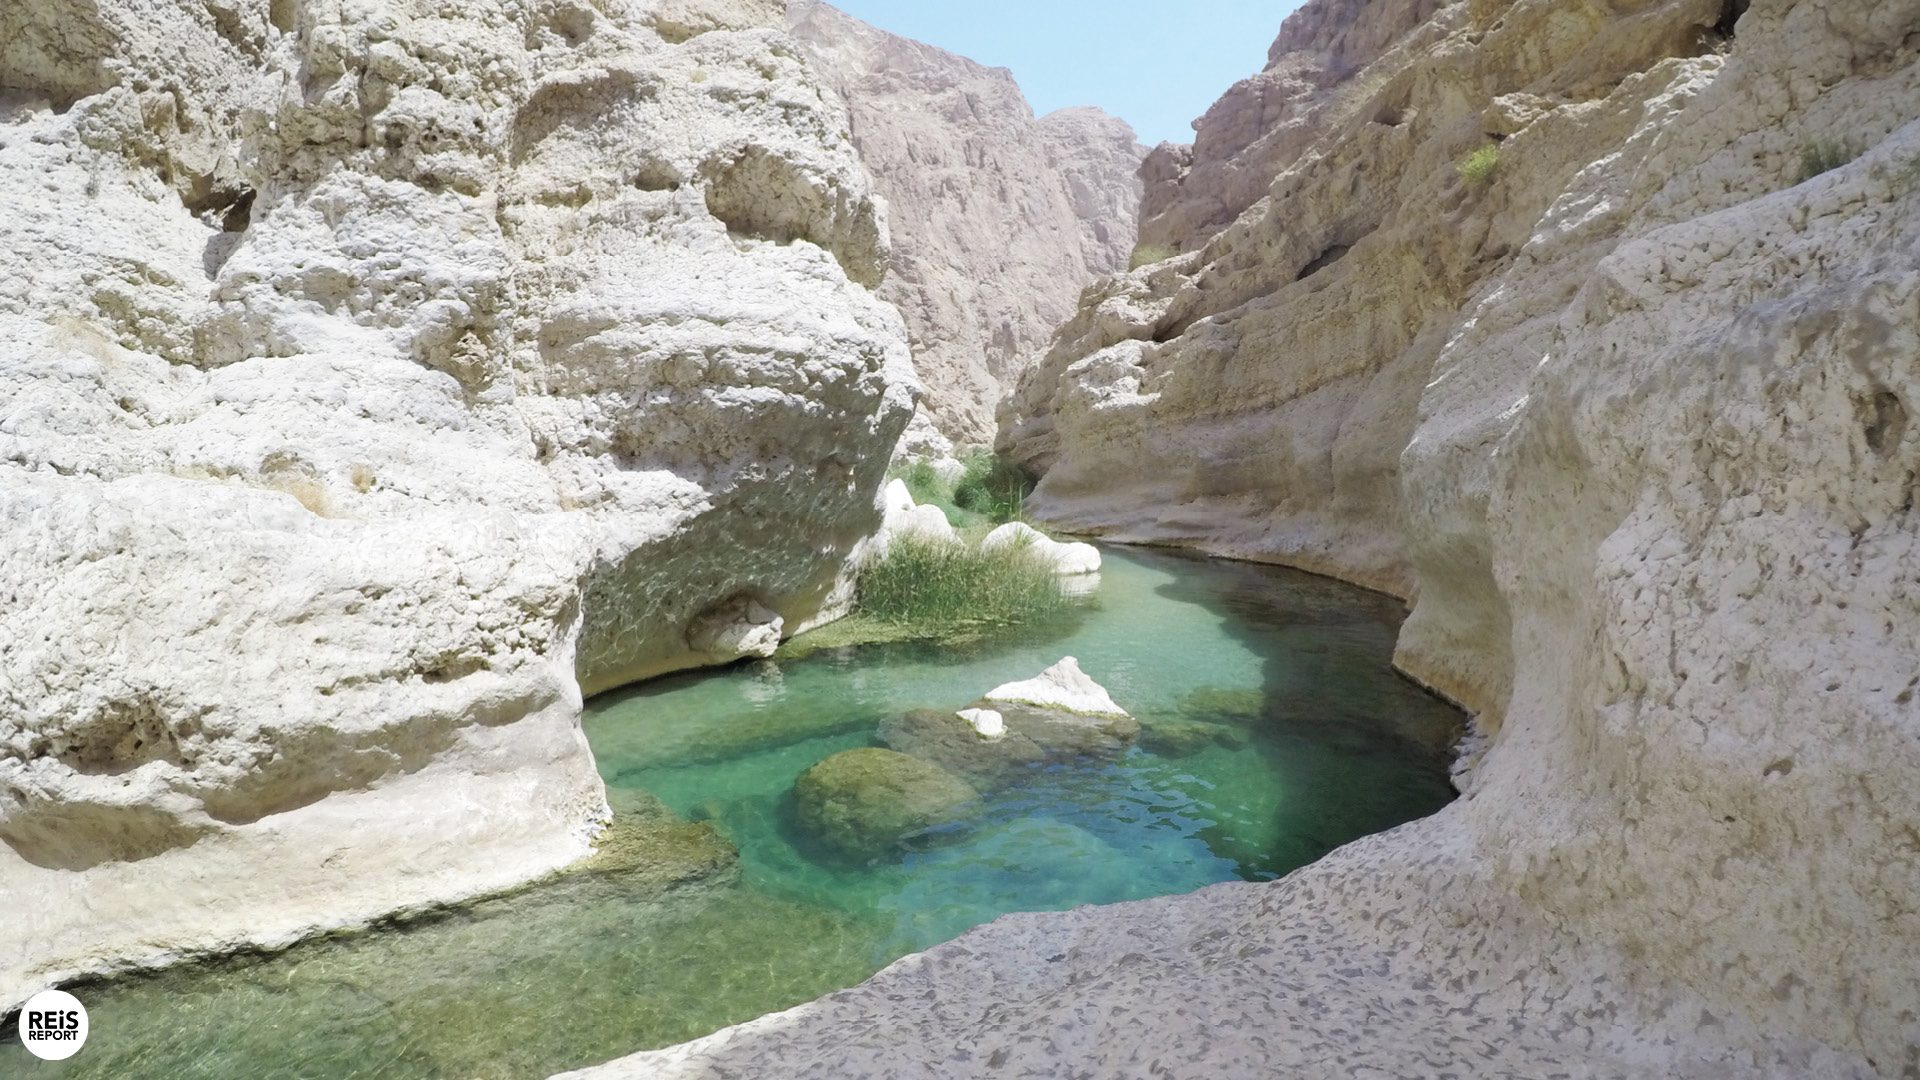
{"x": 1626, "y": 403}
{"x": 1273, "y": 373}
{"x": 998, "y": 219}
{"x": 374, "y": 377}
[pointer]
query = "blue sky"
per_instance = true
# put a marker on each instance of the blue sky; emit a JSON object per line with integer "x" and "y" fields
{"x": 1157, "y": 64}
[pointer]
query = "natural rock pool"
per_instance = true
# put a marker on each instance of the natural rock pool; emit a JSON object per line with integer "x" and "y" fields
{"x": 1273, "y": 730}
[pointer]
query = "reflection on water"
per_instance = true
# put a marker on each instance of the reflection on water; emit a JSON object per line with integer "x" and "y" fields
{"x": 1274, "y": 731}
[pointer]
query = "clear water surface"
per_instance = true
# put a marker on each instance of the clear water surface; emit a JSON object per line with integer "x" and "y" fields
{"x": 1324, "y": 744}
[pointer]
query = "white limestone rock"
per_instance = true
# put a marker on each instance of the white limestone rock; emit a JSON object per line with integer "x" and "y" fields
{"x": 931, "y": 522}
{"x": 377, "y": 379}
{"x": 1066, "y": 558}
{"x": 896, "y": 502}
{"x": 738, "y": 628}
{"x": 988, "y": 722}
{"x": 1063, "y": 686}
{"x": 999, "y": 219}
{"x": 1634, "y": 420}
{"x": 904, "y": 518}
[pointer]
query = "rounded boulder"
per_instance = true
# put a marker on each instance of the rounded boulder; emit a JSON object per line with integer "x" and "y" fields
{"x": 862, "y": 803}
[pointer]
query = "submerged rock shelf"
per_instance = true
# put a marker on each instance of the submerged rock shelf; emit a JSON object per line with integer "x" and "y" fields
{"x": 1272, "y": 729}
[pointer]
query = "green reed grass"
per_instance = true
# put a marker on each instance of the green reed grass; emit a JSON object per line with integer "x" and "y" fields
{"x": 940, "y": 585}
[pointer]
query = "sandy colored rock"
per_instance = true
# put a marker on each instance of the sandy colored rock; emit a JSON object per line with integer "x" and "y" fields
{"x": 863, "y": 803}
{"x": 1632, "y": 416}
{"x": 999, "y": 219}
{"x": 386, "y": 375}
{"x": 1266, "y": 122}
{"x": 1252, "y": 397}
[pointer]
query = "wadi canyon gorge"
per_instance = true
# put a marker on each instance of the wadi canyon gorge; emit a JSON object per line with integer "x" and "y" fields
{"x": 380, "y": 378}
{"x": 999, "y": 219}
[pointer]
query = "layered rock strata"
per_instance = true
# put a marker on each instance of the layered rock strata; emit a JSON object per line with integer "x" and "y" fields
{"x": 1627, "y": 403}
{"x": 375, "y": 378}
{"x": 1273, "y": 374}
{"x": 999, "y": 219}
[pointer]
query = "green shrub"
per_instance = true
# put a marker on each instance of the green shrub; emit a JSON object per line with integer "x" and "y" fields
{"x": 1478, "y": 167}
{"x": 992, "y": 487}
{"x": 946, "y": 586}
{"x": 1148, "y": 254}
{"x": 1824, "y": 157}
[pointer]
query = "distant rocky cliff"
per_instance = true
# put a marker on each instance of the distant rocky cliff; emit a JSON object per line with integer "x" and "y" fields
{"x": 998, "y": 219}
{"x": 1275, "y": 372}
{"x": 1595, "y": 327}
{"x": 375, "y": 377}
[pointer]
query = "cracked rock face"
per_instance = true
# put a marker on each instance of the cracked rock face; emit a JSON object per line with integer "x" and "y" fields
{"x": 1632, "y": 414}
{"x": 999, "y": 219}
{"x": 376, "y": 376}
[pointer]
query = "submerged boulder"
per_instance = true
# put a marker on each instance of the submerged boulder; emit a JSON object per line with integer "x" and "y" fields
{"x": 1065, "y": 558}
{"x": 1063, "y": 735}
{"x": 1058, "y": 715}
{"x": 863, "y": 802}
{"x": 953, "y": 742}
{"x": 1235, "y": 705}
{"x": 655, "y": 849}
{"x": 1175, "y": 737}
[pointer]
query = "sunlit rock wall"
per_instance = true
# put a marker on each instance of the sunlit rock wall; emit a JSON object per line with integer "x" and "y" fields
{"x": 374, "y": 376}
{"x": 999, "y": 219}
{"x": 1632, "y": 415}
{"x": 1253, "y": 395}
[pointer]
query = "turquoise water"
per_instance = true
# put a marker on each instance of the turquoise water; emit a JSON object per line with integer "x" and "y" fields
{"x": 1314, "y": 741}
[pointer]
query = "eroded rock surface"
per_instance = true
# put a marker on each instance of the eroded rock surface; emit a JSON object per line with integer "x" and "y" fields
{"x": 1253, "y": 395}
{"x": 1059, "y": 715}
{"x": 999, "y": 219}
{"x": 375, "y": 376}
{"x": 1631, "y": 412}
